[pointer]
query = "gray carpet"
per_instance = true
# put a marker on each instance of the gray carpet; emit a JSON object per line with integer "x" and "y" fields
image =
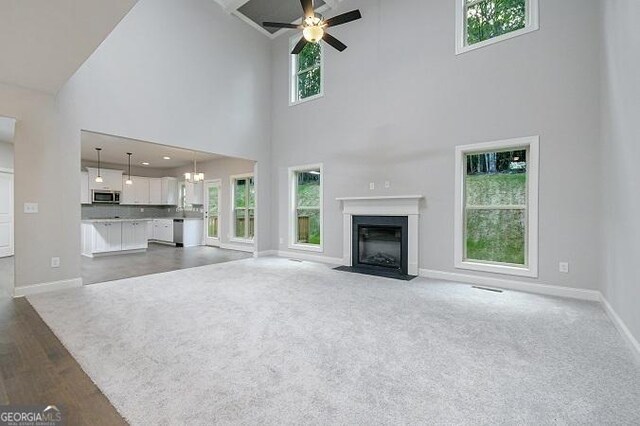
{"x": 271, "y": 341}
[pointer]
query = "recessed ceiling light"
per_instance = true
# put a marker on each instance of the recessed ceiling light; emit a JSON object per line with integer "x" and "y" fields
{"x": 166, "y": 158}
{"x": 144, "y": 163}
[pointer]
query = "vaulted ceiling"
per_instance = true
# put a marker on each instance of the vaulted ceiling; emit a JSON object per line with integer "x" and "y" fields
{"x": 44, "y": 42}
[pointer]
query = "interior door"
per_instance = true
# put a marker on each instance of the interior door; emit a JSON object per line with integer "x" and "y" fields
{"x": 6, "y": 214}
{"x": 212, "y": 193}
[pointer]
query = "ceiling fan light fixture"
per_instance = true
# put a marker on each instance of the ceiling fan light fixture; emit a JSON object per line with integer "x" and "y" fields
{"x": 313, "y": 34}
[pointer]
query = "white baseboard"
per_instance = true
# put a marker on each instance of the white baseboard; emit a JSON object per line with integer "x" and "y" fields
{"x": 621, "y": 326}
{"x": 546, "y": 289}
{"x": 238, "y": 247}
{"x": 266, "y": 253}
{"x": 28, "y": 290}
{"x": 310, "y": 257}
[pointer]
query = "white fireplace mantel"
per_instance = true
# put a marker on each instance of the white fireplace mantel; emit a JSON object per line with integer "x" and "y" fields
{"x": 394, "y": 205}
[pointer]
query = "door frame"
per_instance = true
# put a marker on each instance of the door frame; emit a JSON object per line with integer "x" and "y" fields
{"x": 12, "y": 234}
{"x": 209, "y": 241}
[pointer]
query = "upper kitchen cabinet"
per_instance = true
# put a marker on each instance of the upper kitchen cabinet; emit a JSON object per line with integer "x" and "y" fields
{"x": 137, "y": 193}
{"x": 111, "y": 179}
{"x": 194, "y": 194}
{"x": 85, "y": 197}
{"x": 155, "y": 191}
{"x": 169, "y": 195}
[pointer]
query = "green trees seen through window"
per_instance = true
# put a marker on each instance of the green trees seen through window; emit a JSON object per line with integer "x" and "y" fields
{"x": 308, "y": 71}
{"x": 486, "y": 19}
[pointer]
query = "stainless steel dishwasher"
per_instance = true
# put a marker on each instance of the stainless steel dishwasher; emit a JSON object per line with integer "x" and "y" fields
{"x": 178, "y": 232}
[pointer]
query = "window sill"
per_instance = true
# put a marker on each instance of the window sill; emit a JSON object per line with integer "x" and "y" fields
{"x": 468, "y": 48}
{"x": 307, "y": 247}
{"x": 498, "y": 269}
{"x": 305, "y": 100}
{"x": 241, "y": 240}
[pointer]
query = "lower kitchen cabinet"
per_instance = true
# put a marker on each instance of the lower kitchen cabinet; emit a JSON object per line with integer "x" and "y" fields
{"x": 100, "y": 237}
{"x": 163, "y": 230}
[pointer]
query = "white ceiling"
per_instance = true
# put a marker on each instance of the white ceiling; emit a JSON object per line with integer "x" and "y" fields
{"x": 44, "y": 42}
{"x": 7, "y": 128}
{"x": 114, "y": 151}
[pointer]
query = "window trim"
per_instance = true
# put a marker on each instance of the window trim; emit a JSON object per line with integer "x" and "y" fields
{"x": 293, "y": 244}
{"x": 531, "y": 268}
{"x": 218, "y": 183}
{"x": 293, "y": 89}
{"x": 232, "y": 236}
{"x": 533, "y": 24}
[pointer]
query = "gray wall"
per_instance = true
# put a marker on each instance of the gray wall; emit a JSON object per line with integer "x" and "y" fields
{"x": 6, "y": 155}
{"x": 399, "y": 100}
{"x": 620, "y": 153}
{"x": 222, "y": 169}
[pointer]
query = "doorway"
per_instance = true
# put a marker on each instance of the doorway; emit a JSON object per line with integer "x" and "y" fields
{"x": 212, "y": 193}
{"x": 7, "y": 236}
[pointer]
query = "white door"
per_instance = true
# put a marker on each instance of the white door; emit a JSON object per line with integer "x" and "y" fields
{"x": 6, "y": 214}
{"x": 212, "y": 196}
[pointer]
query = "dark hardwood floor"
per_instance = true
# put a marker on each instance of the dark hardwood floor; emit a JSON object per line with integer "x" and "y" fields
{"x": 35, "y": 368}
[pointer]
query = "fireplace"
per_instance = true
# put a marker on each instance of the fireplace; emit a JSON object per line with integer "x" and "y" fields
{"x": 381, "y": 235}
{"x": 380, "y": 244}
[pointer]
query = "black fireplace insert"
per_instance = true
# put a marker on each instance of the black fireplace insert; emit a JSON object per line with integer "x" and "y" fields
{"x": 380, "y": 246}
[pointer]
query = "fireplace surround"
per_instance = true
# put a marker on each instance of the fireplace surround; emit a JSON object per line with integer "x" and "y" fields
{"x": 387, "y": 220}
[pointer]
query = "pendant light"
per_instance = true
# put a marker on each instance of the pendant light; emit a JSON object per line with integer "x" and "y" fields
{"x": 99, "y": 177}
{"x": 194, "y": 177}
{"x": 129, "y": 181}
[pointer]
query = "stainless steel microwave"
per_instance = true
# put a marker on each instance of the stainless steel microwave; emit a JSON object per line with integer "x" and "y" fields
{"x": 106, "y": 197}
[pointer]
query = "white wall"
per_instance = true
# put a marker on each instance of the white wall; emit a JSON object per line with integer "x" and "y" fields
{"x": 6, "y": 155}
{"x": 222, "y": 169}
{"x": 620, "y": 153}
{"x": 399, "y": 100}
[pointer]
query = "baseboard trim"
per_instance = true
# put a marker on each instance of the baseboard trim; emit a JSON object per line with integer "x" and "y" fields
{"x": 266, "y": 253}
{"x": 310, "y": 257}
{"x": 546, "y": 289}
{"x": 29, "y": 290}
{"x": 238, "y": 247}
{"x": 621, "y": 326}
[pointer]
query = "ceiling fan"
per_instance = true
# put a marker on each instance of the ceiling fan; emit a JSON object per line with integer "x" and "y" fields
{"x": 314, "y": 25}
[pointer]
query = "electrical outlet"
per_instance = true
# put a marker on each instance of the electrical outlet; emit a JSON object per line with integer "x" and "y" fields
{"x": 55, "y": 262}
{"x": 372, "y": 186}
{"x": 141, "y": 209}
{"x": 564, "y": 267}
{"x": 387, "y": 184}
{"x": 31, "y": 208}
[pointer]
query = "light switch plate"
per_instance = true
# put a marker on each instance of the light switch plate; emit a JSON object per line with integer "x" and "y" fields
{"x": 387, "y": 184}
{"x": 31, "y": 208}
{"x": 563, "y": 267}
{"x": 55, "y": 262}
{"x": 372, "y": 186}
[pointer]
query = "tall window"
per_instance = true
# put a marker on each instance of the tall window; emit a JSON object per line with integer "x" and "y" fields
{"x": 483, "y": 22}
{"x": 305, "y": 183}
{"x": 306, "y": 73}
{"x": 496, "y": 211}
{"x": 244, "y": 206}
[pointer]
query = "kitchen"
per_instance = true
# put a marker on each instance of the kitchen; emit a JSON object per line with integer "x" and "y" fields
{"x": 149, "y": 208}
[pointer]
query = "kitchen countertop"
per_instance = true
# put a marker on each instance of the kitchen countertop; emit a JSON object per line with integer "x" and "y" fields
{"x": 144, "y": 219}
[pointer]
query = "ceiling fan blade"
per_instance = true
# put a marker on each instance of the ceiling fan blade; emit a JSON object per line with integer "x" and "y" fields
{"x": 280, "y": 25}
{"x": 334, "y": 42}
{"x": 301, "y": 44}
{"x": 343, "y": 19}
{"x": 307, "y": 6}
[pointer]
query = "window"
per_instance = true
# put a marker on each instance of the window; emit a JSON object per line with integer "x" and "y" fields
{"x": 305, "y": 185}
{"x": 243, "y": 193}
{"x": 306, "y": 73}
{"x": 497, "y": 207}
{"x": 483, "y": 22}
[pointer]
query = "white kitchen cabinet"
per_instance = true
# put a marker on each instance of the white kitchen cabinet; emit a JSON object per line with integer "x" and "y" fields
{"x": 137, "y": 193}
{"x": 111, "y": 179}
{"x": 163, "y": 230}
{"x": 194, "y": 193}
{"x": 155, "y": 191}
{"x": 85, "y": 194}
{"x": 169, "y": 195}
{"x": 134, "y": 235}
{"x": 107, "y": 237}
{"x": 149, "y": 228}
